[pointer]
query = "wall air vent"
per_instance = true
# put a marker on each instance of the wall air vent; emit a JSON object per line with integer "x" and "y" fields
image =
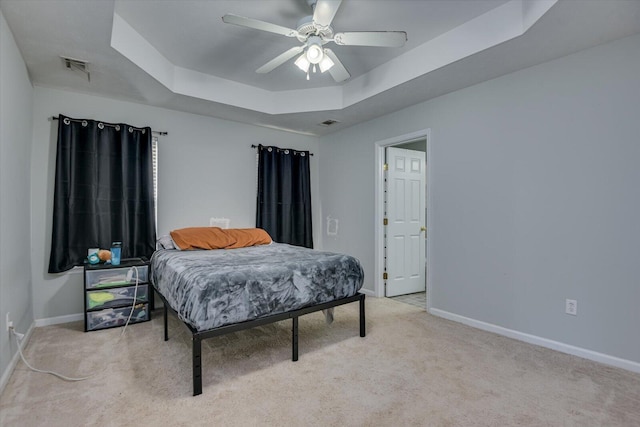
{"x": 77, "y": 65}
{"x": 329, "y": 122}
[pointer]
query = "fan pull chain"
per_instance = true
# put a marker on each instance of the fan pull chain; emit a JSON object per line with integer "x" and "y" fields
{"x": 314, "y": 68}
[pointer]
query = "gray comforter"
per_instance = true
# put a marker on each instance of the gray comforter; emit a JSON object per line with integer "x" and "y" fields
{"x": 213, "y": 288}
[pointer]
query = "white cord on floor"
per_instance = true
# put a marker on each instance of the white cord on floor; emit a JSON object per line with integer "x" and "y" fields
{"x": 133, "y": 305}
{"x": 20, "y": 336}
{"x": 18, "y": 340}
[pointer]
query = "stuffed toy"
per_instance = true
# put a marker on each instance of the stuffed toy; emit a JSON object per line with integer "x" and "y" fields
{"x": 104, "y": 255}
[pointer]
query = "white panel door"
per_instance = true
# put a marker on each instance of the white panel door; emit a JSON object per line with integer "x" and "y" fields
{"x": 405, "y": 233}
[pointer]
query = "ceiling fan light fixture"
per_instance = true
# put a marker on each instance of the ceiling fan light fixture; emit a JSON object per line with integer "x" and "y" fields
{"x": 325, "y": 64}
{"x": 315, "y": 52}
{"x": 313, "y": 32}
{"x": 303, "y": 63}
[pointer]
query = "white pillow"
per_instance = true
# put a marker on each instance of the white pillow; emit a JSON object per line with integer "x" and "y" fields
{"x": 165, "y": 242}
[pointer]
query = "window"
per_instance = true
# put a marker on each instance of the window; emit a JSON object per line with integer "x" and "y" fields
{"x": 284, "y": 195}
{"x": 154, "y": 154}
{"x": 103, "y": 191}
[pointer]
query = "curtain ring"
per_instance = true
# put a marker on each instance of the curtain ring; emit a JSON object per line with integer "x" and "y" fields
{"x": 302, "y": 154}
{"x": 84, "y": 123}
{"x": 130, "y": 129}
{"x": 286, "y": 151}
{"x": 143, "y": 131}
{"x": 117, "y": 127}
{"x": 269, "y": 149}
{"x": 66, "y": 121}
{"x": 100, "y": 125}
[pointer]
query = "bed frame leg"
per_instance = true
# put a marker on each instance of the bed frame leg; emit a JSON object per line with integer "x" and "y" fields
{"x": 294, "y": 339}
{"x": 362, "y": 322}
{"x": 197, "y": 365}
{"x": 166, "y": 329}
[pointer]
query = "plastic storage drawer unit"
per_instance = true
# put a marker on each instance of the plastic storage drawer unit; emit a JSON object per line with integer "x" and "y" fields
{"x": 111, "y": 291}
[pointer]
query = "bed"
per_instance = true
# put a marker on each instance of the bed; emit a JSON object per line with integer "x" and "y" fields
{"x": 215, "y": 292}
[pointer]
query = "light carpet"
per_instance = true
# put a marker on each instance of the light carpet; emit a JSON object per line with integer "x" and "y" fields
{"x": 412, "y": 369}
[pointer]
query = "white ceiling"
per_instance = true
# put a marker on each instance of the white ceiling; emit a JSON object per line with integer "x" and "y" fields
{"x": 191, "y": 33}
{"x": 178, "y": 54}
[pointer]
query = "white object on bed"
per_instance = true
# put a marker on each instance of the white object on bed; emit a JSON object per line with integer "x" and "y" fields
{"x": 165, "y": 242}
{"x": 219, "y": 222}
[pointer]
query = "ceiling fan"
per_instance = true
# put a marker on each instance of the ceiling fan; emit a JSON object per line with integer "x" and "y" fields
{"x": 314, "y": 32}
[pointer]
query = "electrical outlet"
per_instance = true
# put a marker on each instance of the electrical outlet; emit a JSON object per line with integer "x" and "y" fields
{"x": 9, "y": 323}
{"x": 571, "y": 307}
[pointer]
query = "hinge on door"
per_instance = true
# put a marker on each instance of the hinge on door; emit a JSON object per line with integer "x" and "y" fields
{"x": 385, "y": 167}
{"x": 385, "y": 276}
{"x": 385, "y": 221}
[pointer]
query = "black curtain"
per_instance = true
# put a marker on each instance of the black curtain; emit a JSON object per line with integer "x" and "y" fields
{"x": 103, "y": 191}
{"x": 284, "y": 195}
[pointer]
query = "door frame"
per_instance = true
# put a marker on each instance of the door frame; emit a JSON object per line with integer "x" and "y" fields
{"x": 380, "y": 147}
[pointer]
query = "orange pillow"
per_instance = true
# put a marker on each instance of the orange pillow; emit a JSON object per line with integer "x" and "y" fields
{"x": 201, "y": 238}
{"x": 247, "y": 237}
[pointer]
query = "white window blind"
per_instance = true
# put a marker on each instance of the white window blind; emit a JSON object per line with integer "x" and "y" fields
{"x": 154, "y": 150}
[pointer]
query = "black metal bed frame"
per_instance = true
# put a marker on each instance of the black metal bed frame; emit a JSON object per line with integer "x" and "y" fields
{"x": 198, "y": 336}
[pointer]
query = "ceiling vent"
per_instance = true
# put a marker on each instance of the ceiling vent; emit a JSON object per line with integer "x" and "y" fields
{"x": 329, "y": 122}
{"x": 77, "y": 65}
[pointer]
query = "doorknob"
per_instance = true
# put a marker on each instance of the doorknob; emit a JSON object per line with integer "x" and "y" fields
{"x": 423, "y": 228}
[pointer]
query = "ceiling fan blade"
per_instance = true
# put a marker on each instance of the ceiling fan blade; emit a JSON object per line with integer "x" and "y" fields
{"x": 258, "y": 25}
{"x": 371, "y": 38}
{"x": 338, "y": 72}
{"x": 324, "y": 12}
{"x": 280, "y": 59}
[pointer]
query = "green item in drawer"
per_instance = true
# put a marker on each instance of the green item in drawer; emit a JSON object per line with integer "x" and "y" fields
{"x": 99, "y": 298}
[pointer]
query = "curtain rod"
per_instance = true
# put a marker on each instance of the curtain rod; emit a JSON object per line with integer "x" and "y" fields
{"x": 153, "y": 131}
{"x": 255, "y": 146}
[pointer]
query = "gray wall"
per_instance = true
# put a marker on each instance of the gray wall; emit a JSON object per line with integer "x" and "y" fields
{"x": 16, "y": 104}
{"x": 206, "y": 168}
{"x": 535, "y": 197}
{"x": 534, "y": 193}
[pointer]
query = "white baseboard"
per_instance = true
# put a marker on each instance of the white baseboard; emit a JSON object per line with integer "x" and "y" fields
{"x": 4, "y": 380}
{"x": 367, "y": 292}
{"x": 59, "y": 319}
{"x": 543, "y": 342}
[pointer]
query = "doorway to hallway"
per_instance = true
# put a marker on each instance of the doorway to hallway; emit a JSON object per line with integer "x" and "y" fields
{"x": 402, "y": 256}
{"x": 419, "y": 299}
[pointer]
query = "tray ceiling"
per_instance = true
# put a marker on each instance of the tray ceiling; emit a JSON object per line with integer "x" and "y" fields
{"x": 180, "y": 55}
